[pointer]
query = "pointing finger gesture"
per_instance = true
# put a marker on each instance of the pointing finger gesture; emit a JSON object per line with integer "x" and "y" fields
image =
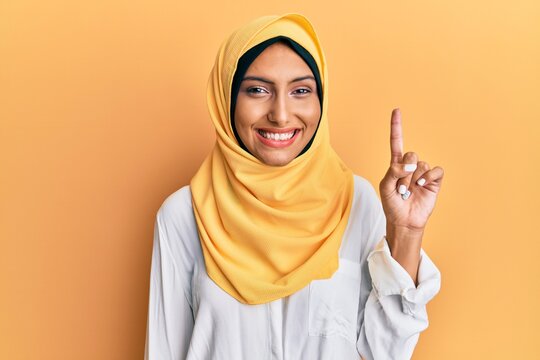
{"x": 409, "y": 188}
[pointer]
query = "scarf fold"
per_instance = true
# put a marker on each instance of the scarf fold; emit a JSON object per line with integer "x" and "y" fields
{"x": 268, "y": 231}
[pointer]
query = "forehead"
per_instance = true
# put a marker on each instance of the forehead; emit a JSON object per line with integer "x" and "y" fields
{"x": 279, "y": 58}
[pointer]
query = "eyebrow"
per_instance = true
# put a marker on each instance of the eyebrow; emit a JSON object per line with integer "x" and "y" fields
{"x": 271, "y": 82}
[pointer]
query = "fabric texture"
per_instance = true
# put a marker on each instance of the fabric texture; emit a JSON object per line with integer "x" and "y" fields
{"x": 268, "y": 231}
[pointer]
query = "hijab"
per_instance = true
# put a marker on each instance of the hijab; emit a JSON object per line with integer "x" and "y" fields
{"x": 268, "y": 231}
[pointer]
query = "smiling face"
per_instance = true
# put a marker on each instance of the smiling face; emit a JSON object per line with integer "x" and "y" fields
{"x": 277, "y": 109}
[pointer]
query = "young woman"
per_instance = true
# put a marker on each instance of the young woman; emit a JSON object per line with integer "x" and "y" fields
{"x": 276, "y": 250}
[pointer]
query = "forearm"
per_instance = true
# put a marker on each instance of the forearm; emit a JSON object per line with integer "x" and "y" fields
{"x": 405, "y": 245}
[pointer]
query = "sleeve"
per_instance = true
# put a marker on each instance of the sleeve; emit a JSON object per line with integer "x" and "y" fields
{"x": 170, "y": 316}
{"x": 393, "y": 310}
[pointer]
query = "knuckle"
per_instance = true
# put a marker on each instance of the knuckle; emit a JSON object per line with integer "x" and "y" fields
{"x": 412, "y": 154}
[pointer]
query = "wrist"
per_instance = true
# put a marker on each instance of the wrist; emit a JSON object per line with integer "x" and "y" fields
{"x": 402, "y": 237}
{"x": 405, "y": 245}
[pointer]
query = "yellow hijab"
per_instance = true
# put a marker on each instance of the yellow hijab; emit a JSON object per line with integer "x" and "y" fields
{"x": 267, "y": 231}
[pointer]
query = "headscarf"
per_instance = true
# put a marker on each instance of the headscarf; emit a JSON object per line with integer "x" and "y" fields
{"x": 268, "y": 231}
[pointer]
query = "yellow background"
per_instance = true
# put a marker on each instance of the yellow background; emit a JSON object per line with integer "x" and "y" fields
{"x": 103, "y": 115}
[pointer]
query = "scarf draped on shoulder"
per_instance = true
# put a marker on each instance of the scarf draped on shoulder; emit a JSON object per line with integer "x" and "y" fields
{"x": 268, "y": 231}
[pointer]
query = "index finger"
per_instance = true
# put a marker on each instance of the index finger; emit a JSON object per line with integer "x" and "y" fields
{"x": 396, "y": 138}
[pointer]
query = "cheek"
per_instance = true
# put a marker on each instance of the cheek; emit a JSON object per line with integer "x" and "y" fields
{"x": 311, "y": 114}
{"x": 241, "y": 118}
{"x": 246, "y": 114}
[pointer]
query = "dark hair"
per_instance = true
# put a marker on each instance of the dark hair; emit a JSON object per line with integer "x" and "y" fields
{"x": 245, "y": 61}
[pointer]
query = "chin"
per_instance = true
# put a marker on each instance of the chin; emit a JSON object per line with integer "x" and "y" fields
{"x": 276, "y": 160}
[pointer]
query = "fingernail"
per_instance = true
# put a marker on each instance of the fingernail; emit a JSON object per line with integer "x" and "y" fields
{"x": 402, "y": 189}
{"x": 409, "y": 167}
{"x": 406, "y": 195}
{"x": 421, "y": 181}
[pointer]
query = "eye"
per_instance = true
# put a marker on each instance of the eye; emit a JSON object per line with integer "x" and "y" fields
{"x": 255, "y": 90}
{"x": 303, "y": 91}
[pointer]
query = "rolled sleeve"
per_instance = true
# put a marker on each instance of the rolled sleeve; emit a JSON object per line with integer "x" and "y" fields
{"x": 395, "y": 312}
{"x": 390, "y": 278}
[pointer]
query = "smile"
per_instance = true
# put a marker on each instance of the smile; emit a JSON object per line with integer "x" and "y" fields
{"x": 277, "y": 136}
{"x": 277, "y": 139}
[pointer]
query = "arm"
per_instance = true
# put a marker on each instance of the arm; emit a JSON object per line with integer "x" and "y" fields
{"x": 170, "y": 316}
{"x": 392, "y": 309}
{"x": 405, "y": 247}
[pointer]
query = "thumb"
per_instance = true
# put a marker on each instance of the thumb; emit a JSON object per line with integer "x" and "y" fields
{"x": 395, "y": 172}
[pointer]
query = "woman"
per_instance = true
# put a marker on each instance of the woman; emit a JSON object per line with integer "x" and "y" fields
{"x": 276, "y": 250}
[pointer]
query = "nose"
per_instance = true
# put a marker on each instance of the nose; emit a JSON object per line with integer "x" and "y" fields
{"x": 279, "y": 113}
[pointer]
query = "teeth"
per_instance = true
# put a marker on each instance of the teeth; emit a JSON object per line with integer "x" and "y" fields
{"x": 276, "y": 136}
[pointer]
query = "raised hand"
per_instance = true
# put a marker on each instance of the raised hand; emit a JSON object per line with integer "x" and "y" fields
{"x": 408, "y": 194}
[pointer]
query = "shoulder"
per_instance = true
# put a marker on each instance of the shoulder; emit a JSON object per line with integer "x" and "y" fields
{"x": 362, "y": 184}
{"x": 177, "y": 205}
{"x": 365, "y": 194}
{"x": 365, "y": 223}
{"x": 176, "y": 224}
{"x": 177, "y": 237}
{"x": 367, "y": 211}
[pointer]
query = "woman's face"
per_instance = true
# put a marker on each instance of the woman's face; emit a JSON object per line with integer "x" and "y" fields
{"x": 277, "y": 108}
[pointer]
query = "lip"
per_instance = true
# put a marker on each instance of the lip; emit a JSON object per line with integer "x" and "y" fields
{"x": 277, "y": 143}
{"x": 278, "y": 131}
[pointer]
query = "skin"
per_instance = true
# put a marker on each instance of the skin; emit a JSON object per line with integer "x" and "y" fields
{"x": 275, "y": 102}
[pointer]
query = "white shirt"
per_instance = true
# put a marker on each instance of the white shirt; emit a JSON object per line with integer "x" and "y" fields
{"x": 370, "y": 306}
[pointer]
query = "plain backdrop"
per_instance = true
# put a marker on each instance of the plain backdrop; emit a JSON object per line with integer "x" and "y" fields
{"x": 103, "y": 115}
